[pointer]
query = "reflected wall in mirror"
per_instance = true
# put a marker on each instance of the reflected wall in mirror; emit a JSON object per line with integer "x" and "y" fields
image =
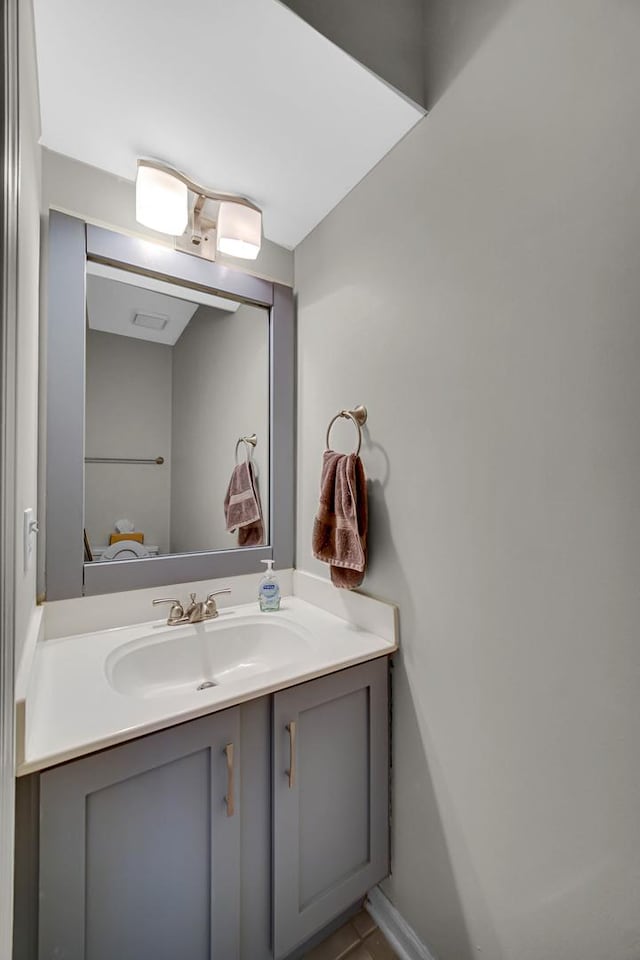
{"x": 179, "y": 376}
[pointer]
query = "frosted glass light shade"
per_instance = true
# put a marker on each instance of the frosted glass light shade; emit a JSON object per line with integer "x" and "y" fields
{"x": 162, "y": 201}
{"x": 239, "y": 231}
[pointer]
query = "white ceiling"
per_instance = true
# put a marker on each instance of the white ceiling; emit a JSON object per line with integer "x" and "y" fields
{"x": 112, "y": 308}
{"x": 113, "y": 301}
{"x": 241, "y": 94}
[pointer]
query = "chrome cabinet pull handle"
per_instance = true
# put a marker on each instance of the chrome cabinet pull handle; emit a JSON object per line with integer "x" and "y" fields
{"x": 229, "y": 799}
{"x": 291, "y": 772}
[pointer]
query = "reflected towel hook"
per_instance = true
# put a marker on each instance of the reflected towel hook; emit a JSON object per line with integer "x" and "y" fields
{"x": 249, "y": 443}
{"x": 358, "y": 416}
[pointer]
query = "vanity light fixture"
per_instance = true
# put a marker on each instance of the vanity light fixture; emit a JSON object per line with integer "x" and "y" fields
{"x": 162, "y": 203}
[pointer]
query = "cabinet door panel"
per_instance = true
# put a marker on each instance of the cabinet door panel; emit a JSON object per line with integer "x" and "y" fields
{"x": 333, "y": 792}
{"x": 133, "y": 834}
{"x": 331, "y": 823}
{"x": 138, "y": 855}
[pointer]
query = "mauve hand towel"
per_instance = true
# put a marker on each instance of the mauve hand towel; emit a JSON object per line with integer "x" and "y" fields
{"x": 340, "y": 527}
{"x": 242, "y": 507}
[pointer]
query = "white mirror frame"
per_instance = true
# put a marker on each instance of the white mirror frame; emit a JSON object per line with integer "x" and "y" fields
{"x": 72, "y": 243}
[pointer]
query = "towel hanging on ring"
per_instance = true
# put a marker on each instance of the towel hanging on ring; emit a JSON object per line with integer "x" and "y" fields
{"x": 242, "y": 506}
{"x": 340, "y": 527}
{"x": 341, "y": 524}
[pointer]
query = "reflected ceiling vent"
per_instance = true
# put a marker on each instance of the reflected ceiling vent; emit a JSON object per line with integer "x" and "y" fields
{"x": 152, "y": 321}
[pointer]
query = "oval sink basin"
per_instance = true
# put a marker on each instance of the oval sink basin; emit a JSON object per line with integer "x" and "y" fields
{"x": 196, "y": 657}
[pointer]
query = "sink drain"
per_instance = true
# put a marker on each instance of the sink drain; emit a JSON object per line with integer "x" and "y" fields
{"x": 206, "y": 684}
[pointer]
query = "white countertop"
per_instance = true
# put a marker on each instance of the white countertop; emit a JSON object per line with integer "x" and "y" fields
{"x": 71, "y": 708}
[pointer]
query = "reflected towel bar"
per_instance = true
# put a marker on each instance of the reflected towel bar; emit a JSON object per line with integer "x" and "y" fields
{"x": 157, "y": 460}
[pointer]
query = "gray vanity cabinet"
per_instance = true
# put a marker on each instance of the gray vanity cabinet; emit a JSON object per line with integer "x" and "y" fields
{"x": 140, "y": 848}
{"x": 175, "y": 846}
{"x": 331, "y": 798}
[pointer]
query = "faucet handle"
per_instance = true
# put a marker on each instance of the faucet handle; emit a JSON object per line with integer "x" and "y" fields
{"x": 176, "y": 612}
{"x": 210, "y": 602}
{"x": 217, "y": 593}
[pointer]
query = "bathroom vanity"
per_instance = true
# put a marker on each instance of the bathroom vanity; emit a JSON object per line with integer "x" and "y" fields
{"x": 206, "y": 791}
{"x": 254, "y": 816}
{"x": 165, "y": 842}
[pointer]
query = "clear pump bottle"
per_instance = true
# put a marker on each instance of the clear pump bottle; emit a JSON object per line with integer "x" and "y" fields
{"x": 269, "y": 590}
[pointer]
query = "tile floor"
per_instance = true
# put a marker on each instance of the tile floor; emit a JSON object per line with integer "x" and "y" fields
{"x": 359, "y": 939}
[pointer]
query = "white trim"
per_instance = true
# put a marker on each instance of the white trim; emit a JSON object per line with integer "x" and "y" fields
{"x": 395, "y": 928}
{"x": 9, "y": 134}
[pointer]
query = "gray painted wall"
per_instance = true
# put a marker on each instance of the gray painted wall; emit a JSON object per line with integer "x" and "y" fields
{"x": 453, "y": 31}
{"x": 220, "y": 393}
{"x": 479, "y": 291}
{"x": 128, "y": 414}
{"x": 384, "y": 35}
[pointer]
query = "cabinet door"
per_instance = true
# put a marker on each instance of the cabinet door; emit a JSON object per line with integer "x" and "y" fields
{"x": 331, "y": 798}
{"x": 140, "y": 848}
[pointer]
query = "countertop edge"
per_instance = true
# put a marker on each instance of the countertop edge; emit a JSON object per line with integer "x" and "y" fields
{"x": 44, "y": 763}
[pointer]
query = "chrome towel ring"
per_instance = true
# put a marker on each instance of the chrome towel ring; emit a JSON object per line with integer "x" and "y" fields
{"x": 249, "y": 443}
{"x": 358, "y": 416}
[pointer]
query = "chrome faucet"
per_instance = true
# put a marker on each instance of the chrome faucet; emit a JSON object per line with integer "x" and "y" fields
{"x": 197, "y": 610}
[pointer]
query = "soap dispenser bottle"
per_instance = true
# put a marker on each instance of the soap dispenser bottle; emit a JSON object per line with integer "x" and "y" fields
{"x": 269, "y": 589}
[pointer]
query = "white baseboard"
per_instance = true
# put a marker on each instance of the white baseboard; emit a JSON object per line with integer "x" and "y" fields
{"x": 395, "y": 928}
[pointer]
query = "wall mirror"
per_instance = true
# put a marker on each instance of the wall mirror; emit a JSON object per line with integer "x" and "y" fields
{"x": 176, "y": 394}
{"x": 169, "y": 416}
